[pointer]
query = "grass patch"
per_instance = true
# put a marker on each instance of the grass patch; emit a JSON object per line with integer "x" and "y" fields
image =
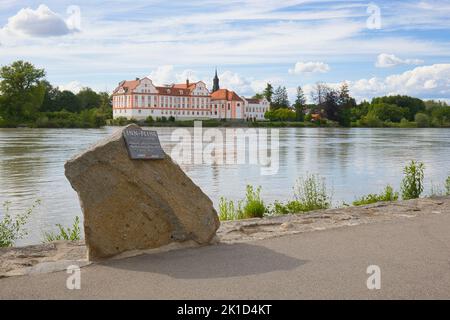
{"x": 70, "y": 234}
{"x": 251, "y": 207}
{"x": 388, "y": 195}
{"x": 447, "y": 186}
{"x": 312, "y": 193}
{"x": 412, "y": 183}
{"x": 12, "y": 227}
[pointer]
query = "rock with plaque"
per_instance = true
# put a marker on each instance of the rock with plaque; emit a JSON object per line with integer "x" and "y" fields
{"x": 133, "y": 196}
{"x": 143, "y": 144}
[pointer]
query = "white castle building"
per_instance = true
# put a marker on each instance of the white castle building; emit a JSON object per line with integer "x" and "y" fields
{"x": 138, "y": 99}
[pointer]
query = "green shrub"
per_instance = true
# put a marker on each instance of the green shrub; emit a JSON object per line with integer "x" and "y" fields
{"x": 447, "y": 186}
{"x": 387, "y": 195}
{"x": 312, "y": 193}
{"x": 412, "y": 183}
{"x": 291, "y": 207}
{"x": 12, "y": 228}
{"x": 149, "y": 120}
{"x": 70, "y": 234}
{"x": 407, "y": 124}
{"x": 253, "y": 204}
{"x": 422, "y": 120}
{"x": 371, "y": 120}
{"x": 251, "y": 207}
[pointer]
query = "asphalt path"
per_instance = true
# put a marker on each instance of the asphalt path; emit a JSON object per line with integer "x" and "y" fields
{"x": 413, "y": 256}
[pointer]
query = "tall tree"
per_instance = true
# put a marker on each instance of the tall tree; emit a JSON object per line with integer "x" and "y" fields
{"x": 258, "y": 96}
{"x": 106, "y": 104}
{"x": 331, "y": 105}
{"x": 268, "y": 92}
{"x": 21, "y": 89}
{"x": 50, "y": 95}
{"x": 67, "y": 100}
{"x": 319, "y": 93}
{"x": 89, "y": 99}
{"x": 413, "y": 105}
{"x": 300, "y": 104}
{"x": 280, "y": 98}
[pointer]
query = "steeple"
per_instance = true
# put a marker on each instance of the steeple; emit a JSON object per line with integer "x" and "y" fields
{"x": 216, "y": 83}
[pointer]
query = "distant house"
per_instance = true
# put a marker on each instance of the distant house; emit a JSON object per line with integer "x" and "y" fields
{"x": 316, "y": 117}
{"x": 256, "y": 108}
{"x": 226, "y": 104}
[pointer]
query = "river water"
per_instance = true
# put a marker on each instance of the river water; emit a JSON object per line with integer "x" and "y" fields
{"x": 353, "y": 161}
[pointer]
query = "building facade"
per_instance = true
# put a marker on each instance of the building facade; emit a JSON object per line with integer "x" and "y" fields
{"x": 255, "y": 108}
{"x": 138, "y": 99}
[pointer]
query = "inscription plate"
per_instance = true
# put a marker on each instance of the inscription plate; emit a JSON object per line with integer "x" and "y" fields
{"x": 143, "y": 144}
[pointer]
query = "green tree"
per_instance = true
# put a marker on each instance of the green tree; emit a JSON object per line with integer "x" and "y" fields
{"x": 50, "y": 95}
{"x": 258, "y": 96}
{"x": 388, "y": 112}
{"x": 106, "y": 104}
{"x": 89, "y": 99}
{"x": 422, "y": 120}
{"x": 280, "y": 98}
{"x": 412, "y": 105}
{"x": 300, "y": 104}
{"x": 268, "y": 92}
{"x": 440, "y": 115}
{"x": 22, "y": 91}
{"x": 67, "y": 100}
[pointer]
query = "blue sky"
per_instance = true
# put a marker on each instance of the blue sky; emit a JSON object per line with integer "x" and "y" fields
{"x": 379, "y": 47}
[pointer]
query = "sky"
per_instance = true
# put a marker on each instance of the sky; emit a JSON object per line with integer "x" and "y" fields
{"x": 377, "y": 48}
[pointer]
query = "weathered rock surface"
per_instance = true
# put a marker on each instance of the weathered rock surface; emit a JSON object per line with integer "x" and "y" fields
{"x": 136, "y": 204}
{"x": 46, "y": 257}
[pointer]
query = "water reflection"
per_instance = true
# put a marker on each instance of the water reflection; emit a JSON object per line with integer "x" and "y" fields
{"x": 354, "y": 162}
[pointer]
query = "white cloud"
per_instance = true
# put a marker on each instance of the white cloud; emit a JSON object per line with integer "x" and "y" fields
{"x": 233, "y": 81}
{"x": 41, "y": 22}
{"x": 166, "y": 75}
{"x": 385, "y": 60}
{"x": 162, "y": 75}
{"x": 73, "y": 86}
{"x": 310, "y": 67}
{"x": 426, "y": 81}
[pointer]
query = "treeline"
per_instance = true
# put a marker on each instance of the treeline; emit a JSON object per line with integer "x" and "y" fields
{"x": 28, "y": 99}
{"x": 337, "y": 106}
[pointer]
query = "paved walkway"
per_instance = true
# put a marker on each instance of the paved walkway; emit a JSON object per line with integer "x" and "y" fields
{"x": 413, "y": 254}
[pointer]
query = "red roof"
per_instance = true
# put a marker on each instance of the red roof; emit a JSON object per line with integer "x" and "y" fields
{"x": 225, "y": 94}
{"x": 253, "y": 101}
{"x": 128, "y": 85}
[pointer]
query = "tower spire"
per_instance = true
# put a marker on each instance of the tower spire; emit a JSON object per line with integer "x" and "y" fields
{"x": 216, "y": 85}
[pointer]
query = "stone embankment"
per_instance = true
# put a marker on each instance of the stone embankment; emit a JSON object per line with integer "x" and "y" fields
{"x": 57, "y": 256}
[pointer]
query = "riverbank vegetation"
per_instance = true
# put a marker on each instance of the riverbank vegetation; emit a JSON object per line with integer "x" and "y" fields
{"x": 72, "y": 233}
{"x": 311, "y": 193}
{"x": 387, "y": 195}
{"x": 28, "y": 99}
{"x": 12, "y": 227}
{"x": 335, "y": 106}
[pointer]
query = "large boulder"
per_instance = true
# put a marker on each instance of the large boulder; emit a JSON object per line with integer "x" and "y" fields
{"x": 136, "y": 204}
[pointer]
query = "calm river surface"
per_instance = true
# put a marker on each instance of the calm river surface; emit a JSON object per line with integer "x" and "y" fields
{"x": 353, "y": 161}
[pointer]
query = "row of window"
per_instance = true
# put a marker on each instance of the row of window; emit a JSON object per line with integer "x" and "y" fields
{"x": 255, "y": 110}
{"x": 198, "y": 113}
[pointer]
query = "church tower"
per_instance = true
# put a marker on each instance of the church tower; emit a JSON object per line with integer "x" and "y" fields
{"x": 216, "y": 83}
